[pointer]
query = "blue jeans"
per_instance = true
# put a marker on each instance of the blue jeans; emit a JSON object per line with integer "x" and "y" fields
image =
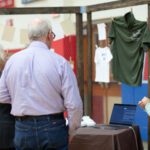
{"x": 41, "y": 134}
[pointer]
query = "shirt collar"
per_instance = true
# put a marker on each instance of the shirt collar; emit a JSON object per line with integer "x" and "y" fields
{"x": 130, "y": 19}
{"x": 38, "y": 44}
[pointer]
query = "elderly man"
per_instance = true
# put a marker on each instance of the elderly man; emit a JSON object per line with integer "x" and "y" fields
{"x": 40, "y": 85}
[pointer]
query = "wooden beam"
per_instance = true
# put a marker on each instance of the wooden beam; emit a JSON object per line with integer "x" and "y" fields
{"x": 77, "y": 9}
{"x": 38, "y": 10}
{"x": 89, "y": 66}
{"x": 79, "y": 60}
{"x": 116, "y": 4}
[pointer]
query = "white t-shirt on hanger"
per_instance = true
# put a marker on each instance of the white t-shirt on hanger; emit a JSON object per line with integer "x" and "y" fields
{"x": 102, "y": 58}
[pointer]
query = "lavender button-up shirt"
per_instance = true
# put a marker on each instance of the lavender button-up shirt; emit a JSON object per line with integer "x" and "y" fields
{"x": 37, "y": 81}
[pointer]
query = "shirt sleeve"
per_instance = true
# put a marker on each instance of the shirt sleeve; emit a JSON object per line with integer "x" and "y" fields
{"x": 146, "y": 39}
{"x": 109, "y": 55}
{"x": 112, "y": 32}
{"x": 4, "y": 93}
{"x": 147, "y": 108}
{"x": 96, "y": 56}
{"x": 72, "y": 99}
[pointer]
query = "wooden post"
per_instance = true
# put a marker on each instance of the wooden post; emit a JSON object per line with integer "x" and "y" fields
{"x": 80, "y": 64}
{"x": 89, "y": 65}
{"x": 149, "y": 79}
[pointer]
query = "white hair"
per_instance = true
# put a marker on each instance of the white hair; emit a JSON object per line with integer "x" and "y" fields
{"x": 38, "y": 28}
{"x": 2, "y": 54}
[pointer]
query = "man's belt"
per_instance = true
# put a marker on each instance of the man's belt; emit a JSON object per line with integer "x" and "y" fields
{"x": 41, "y": 117}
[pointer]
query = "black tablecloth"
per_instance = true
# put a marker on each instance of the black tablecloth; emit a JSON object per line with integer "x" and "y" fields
{"x": 90, "y": 138}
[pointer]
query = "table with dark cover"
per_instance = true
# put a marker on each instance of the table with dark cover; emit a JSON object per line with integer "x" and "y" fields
{"x": 90, "y": 138}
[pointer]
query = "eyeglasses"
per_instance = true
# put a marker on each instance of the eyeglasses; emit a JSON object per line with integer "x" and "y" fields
{"x": 52, "y": 34}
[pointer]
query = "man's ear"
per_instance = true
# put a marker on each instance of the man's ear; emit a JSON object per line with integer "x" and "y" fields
{"x": 48, "y": 36}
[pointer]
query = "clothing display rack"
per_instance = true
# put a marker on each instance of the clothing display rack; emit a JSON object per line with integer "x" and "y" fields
{"x": 102, "y": 7}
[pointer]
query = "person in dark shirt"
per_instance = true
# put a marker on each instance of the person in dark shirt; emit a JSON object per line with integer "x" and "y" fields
{"x": 7, "y": 121}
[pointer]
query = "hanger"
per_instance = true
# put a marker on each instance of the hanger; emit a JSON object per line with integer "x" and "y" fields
{"x": 131, "y": 9}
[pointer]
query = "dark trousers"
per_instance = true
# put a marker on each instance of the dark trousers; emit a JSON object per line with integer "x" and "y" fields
{"x": 41, "y": 133}
{"x": 7, "y": 127}
{"x": 7, "y": 130}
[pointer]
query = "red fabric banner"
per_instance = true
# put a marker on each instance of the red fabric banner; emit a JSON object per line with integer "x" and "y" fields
{"x": 6, "y": 3}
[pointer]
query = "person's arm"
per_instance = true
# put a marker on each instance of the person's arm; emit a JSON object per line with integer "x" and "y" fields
{"x": 4, "y": 93}
{"x": 72, "y": 99}
{"x": 145, "y": 104}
